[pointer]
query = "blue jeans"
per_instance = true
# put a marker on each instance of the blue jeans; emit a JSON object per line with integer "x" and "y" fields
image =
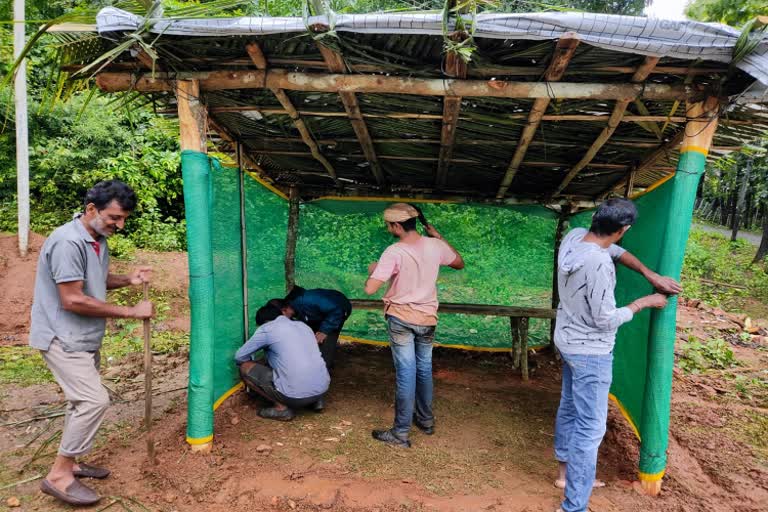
{"x": 580, "y": 423}
{"x": 412, "y": 354}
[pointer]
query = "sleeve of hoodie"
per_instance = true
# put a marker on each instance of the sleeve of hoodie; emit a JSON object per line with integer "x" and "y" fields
{"x": 600, "y": 296}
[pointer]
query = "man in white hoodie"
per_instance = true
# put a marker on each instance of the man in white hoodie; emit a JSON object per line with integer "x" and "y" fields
{"x": 585, "y": 333}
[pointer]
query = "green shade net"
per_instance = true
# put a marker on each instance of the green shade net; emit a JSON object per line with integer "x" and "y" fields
{"x": 508, "y": 253}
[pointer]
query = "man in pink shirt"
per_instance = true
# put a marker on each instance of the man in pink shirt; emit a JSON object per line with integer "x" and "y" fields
{"x": 411, "y": 267}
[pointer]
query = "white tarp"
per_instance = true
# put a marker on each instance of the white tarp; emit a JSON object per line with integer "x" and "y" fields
{"x": 687, "y": 39}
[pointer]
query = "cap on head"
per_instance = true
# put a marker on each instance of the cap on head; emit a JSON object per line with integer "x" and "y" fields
{"x": 400, "y": 212}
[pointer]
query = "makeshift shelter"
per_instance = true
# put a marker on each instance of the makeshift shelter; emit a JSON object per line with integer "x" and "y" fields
{"x": 335, "y": 116}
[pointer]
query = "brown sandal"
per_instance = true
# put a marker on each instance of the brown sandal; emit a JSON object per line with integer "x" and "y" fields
{"x": 76, "y": 494}
{"x": 88, "y": 471}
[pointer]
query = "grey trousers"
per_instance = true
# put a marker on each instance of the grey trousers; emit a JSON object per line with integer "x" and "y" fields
{"x": 78, "y": 375}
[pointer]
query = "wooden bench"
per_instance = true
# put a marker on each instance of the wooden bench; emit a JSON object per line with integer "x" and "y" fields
{"x": 518, "y": 320}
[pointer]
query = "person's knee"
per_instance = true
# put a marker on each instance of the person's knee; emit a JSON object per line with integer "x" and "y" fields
{"x": 99, "y": 402}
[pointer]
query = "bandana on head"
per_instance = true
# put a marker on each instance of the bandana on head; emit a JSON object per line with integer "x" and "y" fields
{"x": 400, "y": 212}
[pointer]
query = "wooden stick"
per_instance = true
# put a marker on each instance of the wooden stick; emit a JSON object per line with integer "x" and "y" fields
{"x": 524, "y": 348}
{"x": 325, "y": 82}
{"x": 514, "y": 323}
{"x": 291, "y": 237}
{"x": 148, "y": 384}
{"x": 26, "y": 480}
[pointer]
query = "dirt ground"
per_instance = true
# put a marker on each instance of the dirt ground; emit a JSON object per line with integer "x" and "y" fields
{"x": 492, "y": 450}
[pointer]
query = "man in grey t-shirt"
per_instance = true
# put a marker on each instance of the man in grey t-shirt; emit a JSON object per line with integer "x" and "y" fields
{"x": 68, "y": 321}
{"x": 585, "y": 332}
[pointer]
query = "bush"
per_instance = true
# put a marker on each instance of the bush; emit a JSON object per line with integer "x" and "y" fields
{"x": 696, "y": 356}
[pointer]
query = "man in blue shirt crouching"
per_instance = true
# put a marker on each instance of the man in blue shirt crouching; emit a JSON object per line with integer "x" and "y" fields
{"x": 296, "y": 376}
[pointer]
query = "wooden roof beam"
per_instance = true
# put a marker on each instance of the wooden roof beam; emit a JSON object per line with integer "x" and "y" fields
{"x": 613, "y": 122}
{"x": 454, "y": 67}
{"x": 320, "y": 82}
{"x": 564, "y": 51}
{"x": 335, "y": 63}
{"x": 260, "y": 61}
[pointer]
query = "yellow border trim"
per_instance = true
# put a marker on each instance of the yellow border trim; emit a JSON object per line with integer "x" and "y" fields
{"x": 384, "y": 199}
{"x": 470, "y": 348}
{"x": 626, "y": 415}
{"x": 653, "y": 187}
{"x": 200, "y": 440}
{"x": 264, "y": 183}
{"x": 651, "y": 477}
{"x": 697, "y": 149}
{"x": 226, "y": 395}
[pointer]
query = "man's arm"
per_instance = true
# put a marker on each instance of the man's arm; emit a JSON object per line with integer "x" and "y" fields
{"x": 662, "y": 284}
{"x": 74, "y": 300}
{"x": 138, "y": 276}
{"x": 256, "y": 342}
{"x": 458, "y": 262}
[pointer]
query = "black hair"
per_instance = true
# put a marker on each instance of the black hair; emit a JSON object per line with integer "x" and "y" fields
{"x": 104, "y": 192}
{"x": 612, "y": 215}
{"x": 278, "y": 303}
{"x": 267, "y": 313}
{"x": 296, "y": 291}
{"x": 410, "y": 224}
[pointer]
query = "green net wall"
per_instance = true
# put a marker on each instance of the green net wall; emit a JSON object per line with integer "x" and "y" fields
{"x": 508, "y": 254}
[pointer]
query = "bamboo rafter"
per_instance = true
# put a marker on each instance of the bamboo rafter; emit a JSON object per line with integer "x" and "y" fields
{"x": 613, "y": 122}
{"x": 564, "y": 51}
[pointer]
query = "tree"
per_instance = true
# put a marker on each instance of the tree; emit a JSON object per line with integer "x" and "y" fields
{"x": 731, "y": 12}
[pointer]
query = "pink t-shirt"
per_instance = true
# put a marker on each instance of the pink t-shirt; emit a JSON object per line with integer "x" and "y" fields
{"x": 412, "y": 270}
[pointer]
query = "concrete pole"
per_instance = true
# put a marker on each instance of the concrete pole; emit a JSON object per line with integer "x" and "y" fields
{"x": 22, "y": 142}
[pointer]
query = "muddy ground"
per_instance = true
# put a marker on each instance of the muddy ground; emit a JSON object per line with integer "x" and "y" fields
{"x": 492, "y": 449}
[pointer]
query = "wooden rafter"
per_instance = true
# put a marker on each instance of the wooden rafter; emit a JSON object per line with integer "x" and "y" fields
{"x": 382, "y": 84}
{"x": 564, "y": 51}
{"x": 260, "y": 61}
{"x": 455, "y": 67}
{"x": 613, "y": 122}
{"x": 335, "y": 63}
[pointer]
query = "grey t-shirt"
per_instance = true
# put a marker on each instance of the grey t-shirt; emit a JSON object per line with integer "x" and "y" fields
{"x": 297, "y": 366}
{"x": 68, "y": 255}
{"x": 587, "y": 317}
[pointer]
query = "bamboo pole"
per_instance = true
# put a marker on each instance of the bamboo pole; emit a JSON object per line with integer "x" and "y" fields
{"x": 613, "y": 122}
{"x": 324, "y": 82}
{"x": 455, "y": 67}
{"x": 336, "y": 64}
{"x": 148, "y": 384}
{"x": 564, "y": 51}
{"x": 291, "y": 238}
{"x": 562, "y": 225}
{"x": 243, "y": 243}
{"x": 22, "y": 132}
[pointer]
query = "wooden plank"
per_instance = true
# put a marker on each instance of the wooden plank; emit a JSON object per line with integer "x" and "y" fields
{"x": 564, "y": 51}
{"x": 471, "y": 309}
{"x": 324, "y": 82}
{"x": 613, "y": 122}
{"x": 290, "y": 239}
{"x": 335, "y": 63}
{"x": 192, "y": 116}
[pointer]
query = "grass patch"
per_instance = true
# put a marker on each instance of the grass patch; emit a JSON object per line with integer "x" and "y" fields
{"x": 714, "y": 257}
{"x": 696, "y": 356}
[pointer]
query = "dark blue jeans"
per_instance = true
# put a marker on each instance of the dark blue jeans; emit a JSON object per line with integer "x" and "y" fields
{"x": 412, "y": 354}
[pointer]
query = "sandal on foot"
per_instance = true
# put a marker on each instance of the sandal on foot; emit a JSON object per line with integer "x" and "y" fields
{"x": 88, "y": 471}
{"x": 76, "y": 494}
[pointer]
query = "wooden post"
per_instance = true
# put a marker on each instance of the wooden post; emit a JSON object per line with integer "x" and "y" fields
{"x": 148, "y": 384}
{"x": 22, "y": 141}
{"x": 290, "y": 240}
{"x": 523, "y": 325}
{"x": 514, "y": 323}
{"x": 192, "y": 116}
{"x": 562, "y": 225}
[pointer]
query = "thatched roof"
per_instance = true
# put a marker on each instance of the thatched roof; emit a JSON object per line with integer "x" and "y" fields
{"x": 275, "y": 87}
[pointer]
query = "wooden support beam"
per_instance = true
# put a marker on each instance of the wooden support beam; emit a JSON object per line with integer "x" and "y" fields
{"x": 564, "y": 51}
{"x": 613, "y": 122}
{"x": 524, "y": 348}
{"x": 562, "y": 225}
{"x": 455, "y": 67}
{"x": 335, "y": 63}
{"x": 192, "y": 116}
{"x": 260, "y": 61}
{"x": 471, "y": 309}
{"x": 291, "y": 238}
{"x": 323, "y": 82}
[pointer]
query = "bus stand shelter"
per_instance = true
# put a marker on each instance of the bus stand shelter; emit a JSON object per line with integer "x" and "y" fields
{"x": 329, "y": 118}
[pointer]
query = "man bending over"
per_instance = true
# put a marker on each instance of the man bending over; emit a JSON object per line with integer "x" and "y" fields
{"x": 587, "y": 321}
{"x": 296, "y": 376}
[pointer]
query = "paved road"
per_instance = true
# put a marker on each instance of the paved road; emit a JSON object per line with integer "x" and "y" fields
{"x": 743, "y": 235}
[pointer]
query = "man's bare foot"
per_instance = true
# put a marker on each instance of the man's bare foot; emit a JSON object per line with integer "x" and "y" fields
{"x": 597, "y": 484}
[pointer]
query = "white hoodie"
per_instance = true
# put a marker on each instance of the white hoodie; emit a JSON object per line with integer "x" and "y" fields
{"x": 587, "y": 317}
